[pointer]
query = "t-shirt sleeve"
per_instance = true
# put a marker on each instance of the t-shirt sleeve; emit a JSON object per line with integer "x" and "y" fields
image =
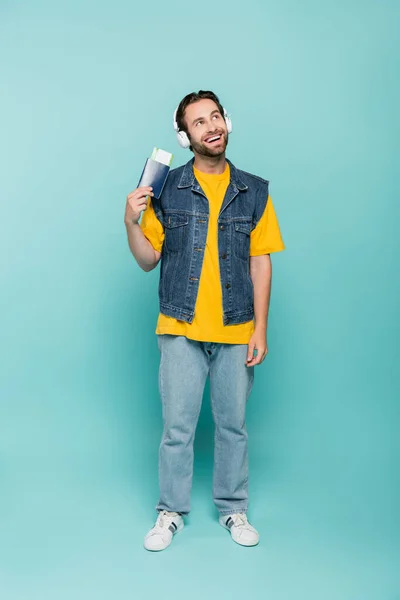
{"x": 152, "y": 227}
{"x": 266, "y": 236}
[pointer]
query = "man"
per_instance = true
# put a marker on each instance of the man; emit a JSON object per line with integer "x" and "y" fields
{"x": 213, "y": 229}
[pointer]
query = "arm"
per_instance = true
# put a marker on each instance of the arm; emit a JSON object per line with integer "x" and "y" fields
{"x": 144, "y": 253}
{"x": 261, "y": 276}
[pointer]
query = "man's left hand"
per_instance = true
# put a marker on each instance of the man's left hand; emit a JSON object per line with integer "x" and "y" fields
{"x": 258, "y": 342}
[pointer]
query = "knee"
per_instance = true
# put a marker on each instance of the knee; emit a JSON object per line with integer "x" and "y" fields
{"x": 177, "y": 434}
{"x": 232, "y": 425}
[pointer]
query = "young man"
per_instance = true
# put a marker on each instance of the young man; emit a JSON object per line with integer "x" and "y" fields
{"x": 213, "y": 229}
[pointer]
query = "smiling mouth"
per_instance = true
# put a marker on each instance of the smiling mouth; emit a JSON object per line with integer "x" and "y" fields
{"x": 213, "y": 139}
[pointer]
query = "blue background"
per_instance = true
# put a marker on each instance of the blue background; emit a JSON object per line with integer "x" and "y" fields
{"x": 87, "y": 89}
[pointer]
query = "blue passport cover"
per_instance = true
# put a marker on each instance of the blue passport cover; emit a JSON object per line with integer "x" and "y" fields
{"x": 155, "y": 175}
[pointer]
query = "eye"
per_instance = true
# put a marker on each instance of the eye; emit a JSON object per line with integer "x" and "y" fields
{"x": 198, "y": 123}
{"x": 216, "y": 116}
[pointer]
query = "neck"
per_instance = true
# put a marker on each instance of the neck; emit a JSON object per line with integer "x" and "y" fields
{"x": 210, "y": 164}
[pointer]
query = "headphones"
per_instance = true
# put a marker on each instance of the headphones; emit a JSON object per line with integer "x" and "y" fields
{"x": 182, "y": 137}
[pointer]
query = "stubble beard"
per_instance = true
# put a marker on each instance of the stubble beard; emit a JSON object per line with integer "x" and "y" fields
{"x": 203, "y": 150}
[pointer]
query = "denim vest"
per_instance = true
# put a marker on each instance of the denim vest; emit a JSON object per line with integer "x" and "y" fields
{"x": 184, "y": 212}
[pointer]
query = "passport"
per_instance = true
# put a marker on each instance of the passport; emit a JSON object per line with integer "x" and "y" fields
{"x": 155, "y": 171}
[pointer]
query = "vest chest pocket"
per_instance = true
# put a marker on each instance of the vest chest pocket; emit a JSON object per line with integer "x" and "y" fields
{"x": 241, "y": 239}
{"x": 175, "y": 225}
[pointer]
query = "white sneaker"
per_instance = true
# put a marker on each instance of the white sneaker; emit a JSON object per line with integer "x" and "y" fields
{"x": 160, "y": 536}
{"x": 241, "y": 531}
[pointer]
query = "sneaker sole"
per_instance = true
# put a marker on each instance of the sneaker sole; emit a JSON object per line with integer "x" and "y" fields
{"x": 180, "y": 527}
{"x": 248, "y": 545}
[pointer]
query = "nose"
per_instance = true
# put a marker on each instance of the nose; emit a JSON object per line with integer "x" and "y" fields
{"x": 211, "y": 127}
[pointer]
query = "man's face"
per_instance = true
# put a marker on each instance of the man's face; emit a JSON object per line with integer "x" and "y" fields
{"x": 206, "y": 128}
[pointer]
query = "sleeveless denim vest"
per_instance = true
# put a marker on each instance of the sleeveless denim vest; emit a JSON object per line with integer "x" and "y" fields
{"x": 183, "y": 211}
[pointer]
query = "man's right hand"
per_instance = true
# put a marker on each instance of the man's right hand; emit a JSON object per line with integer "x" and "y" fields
{"x": 136, "y": 202}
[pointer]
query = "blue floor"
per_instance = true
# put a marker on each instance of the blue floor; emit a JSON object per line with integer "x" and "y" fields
{"x": 79, "y": 536}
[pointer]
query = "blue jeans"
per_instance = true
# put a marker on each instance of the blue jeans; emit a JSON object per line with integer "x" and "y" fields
{"x": 184, "y": 367}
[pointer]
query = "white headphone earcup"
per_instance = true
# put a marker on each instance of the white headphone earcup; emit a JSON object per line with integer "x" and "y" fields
{"x": 228, "y": 122}
{"x": 181, "y": 136}
{"x": 183, "y": 139}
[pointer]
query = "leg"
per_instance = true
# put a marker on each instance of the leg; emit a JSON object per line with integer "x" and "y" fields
{"x": 182, "y": 376}
{"x": 230, "y": 385}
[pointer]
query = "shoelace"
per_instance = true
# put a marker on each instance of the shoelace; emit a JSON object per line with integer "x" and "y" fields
{"x": 240, "y": 520}
{"x": 164, "y": 521}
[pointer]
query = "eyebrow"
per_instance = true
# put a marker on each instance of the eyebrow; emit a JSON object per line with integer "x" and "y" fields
{"x": 201, "y": 118}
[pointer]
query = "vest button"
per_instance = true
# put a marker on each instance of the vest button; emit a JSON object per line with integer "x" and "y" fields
{"x": 228, "y": 285}
{"x": 221, "y": 227}
{"x": 223, "y": 256}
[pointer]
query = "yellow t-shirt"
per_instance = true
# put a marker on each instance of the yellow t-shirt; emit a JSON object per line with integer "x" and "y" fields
{"x": 207, "y": 324}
